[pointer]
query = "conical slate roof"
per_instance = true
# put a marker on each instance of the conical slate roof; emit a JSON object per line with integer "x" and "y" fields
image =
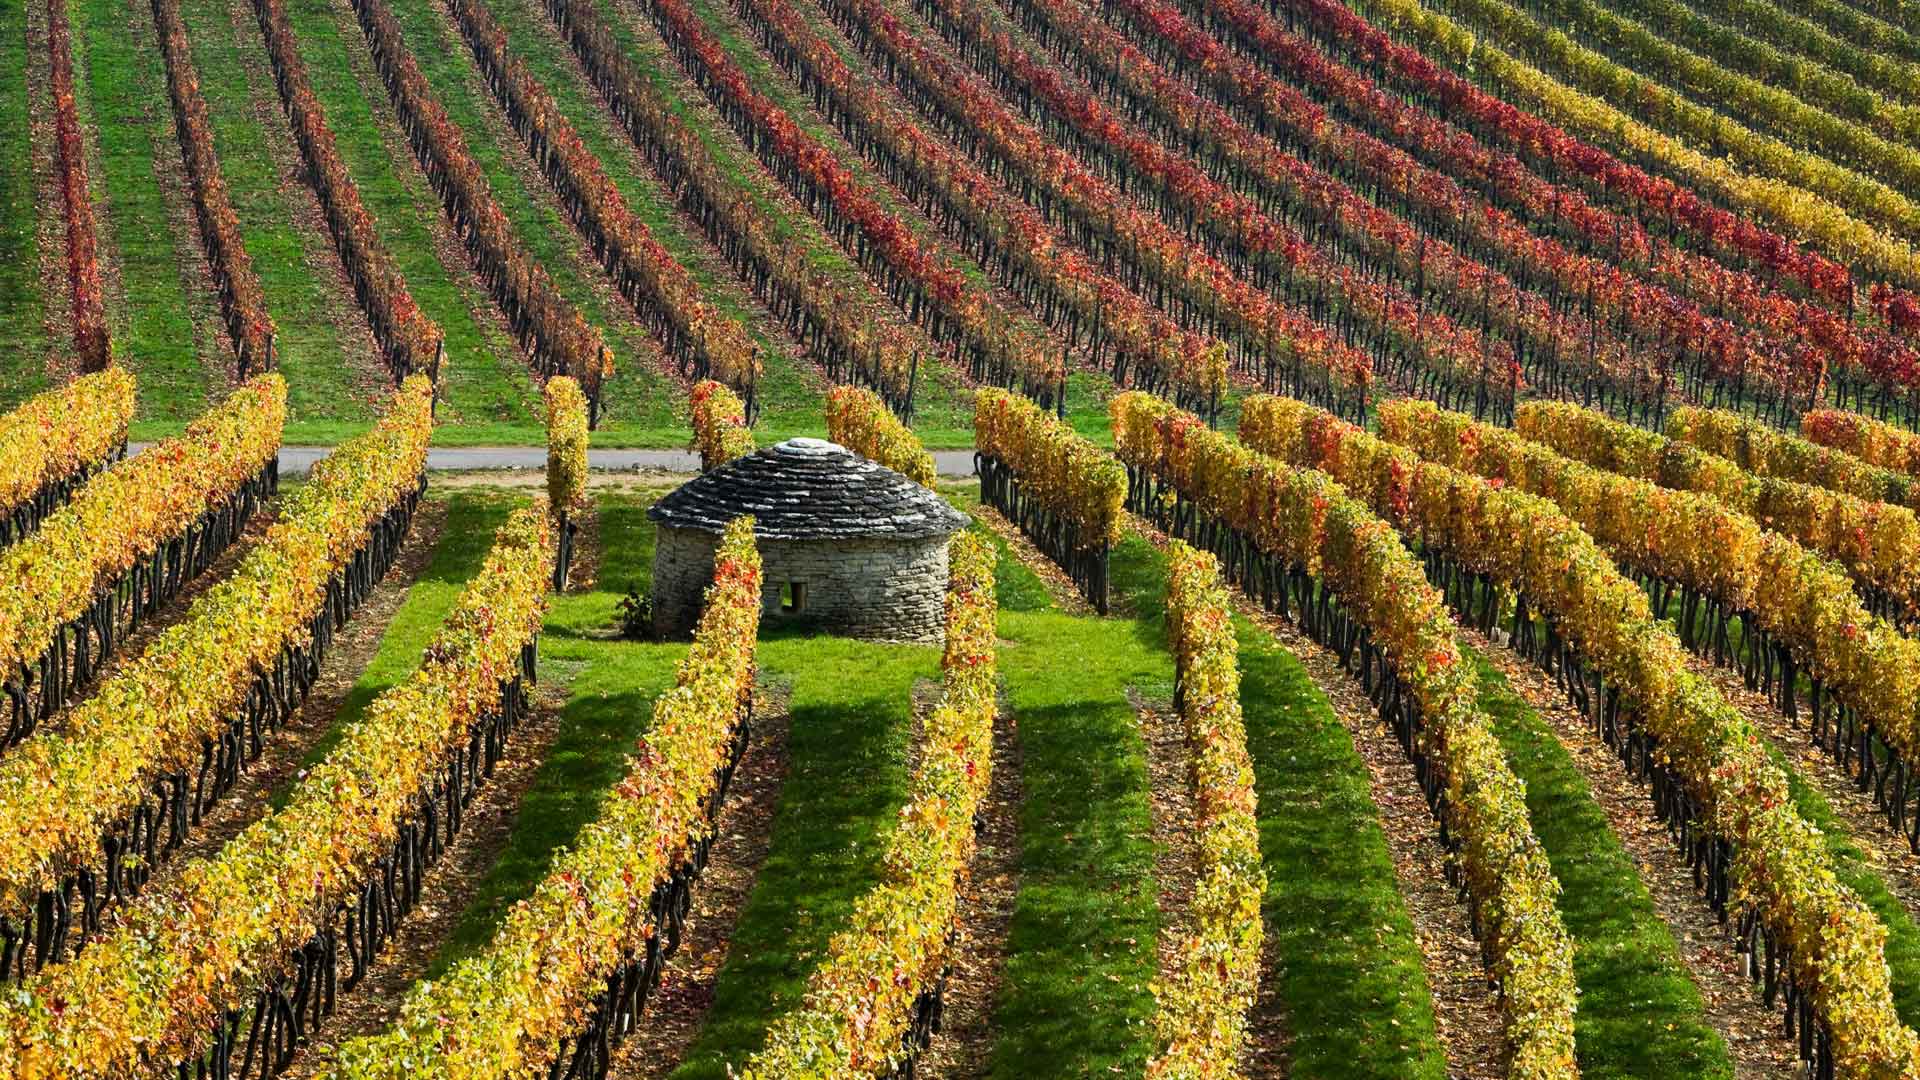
{"x": 810, "y": 489}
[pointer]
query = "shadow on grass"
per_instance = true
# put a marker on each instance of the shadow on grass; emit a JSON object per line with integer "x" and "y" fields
{"x": 851, "y": 720}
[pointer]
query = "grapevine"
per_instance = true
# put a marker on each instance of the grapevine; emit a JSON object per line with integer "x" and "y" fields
{"x": 859, "y": 420}
{"x": 708, "y": 342}
{"x": 54, "y": 441}
{"x": 1759, "y": 859}
{"x": 1877, "y": 543}
{"x": 619, "y": 887}
{"x": 78, "y": 802}
{"x": 1202, "y": 1002}
{"x": 90, "y": 340}
{"x": 126, "y": 543}
{"x": 554, "y": 334}
{"x": 853, "y": 335}
{"x": 1294, "y": 537}
{"x": 566, "y": 466}
{"x": 249, "y": 325}
{"x": 411, "y": 341}
{"x": 1061, "y": 490}
{"x": 157, "y": 985}
{"x": 720, "y": 430}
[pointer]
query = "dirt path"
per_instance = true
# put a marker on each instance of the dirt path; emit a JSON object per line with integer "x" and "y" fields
{"x": 681, "y": 464}
{"x": 1176, "y": 855}
{"x": 964, "y": 1044}
{"x": 50, "y": 233}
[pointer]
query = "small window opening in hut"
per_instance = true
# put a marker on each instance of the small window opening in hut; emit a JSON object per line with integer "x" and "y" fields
{"x": 793, "y": 597}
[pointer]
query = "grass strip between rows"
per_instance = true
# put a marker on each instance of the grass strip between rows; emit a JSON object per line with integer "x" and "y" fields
{"x": 164, "y": 328}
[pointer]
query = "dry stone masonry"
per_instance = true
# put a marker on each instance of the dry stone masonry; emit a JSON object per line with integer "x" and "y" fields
{"x": 847, "y": 545}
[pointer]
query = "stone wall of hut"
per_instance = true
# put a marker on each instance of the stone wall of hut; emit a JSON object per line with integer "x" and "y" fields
{"x": 878, "y": 590}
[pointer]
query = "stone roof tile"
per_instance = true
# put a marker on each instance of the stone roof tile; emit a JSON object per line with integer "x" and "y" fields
{"x": 809, "y": 489}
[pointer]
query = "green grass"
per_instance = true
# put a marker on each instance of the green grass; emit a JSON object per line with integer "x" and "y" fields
{"x": 165, "y": 327}
{"x": 1347, "y": 969}
{"x": 458, "y": 554}
{"x": 1080, "y": 949}
{"x": 22, "y": 310}
{"x": 487, "y": 383}
{"x": 610, "y": 687}
{"x": 1075, "y": 1001}
{"x": 332, "y": 377}
{"x": 1640, "y": 1013}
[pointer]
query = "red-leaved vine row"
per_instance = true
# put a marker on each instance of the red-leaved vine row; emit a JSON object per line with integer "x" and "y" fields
{"x": 853, "y": 335}
{"x": 1654, "y": 199}
{"x": 242, "y": 303}
{"x": 1254, "y": 252}
{"x": 1205, "y": 295}
{"x": 1621, "y": 270}
{"x": 928, "y": 283}
{"x": 1031, "y": 257}
{"x": 707, "y": 342}
{"x": 1553, "y": 304}
{"x": 411, "y": 342}
{"x": 90, "y": 340}
{"x": 548, "y": 327}
{"x": 1871, "y": 441}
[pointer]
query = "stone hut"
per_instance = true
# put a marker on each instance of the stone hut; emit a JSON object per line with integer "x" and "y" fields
{"x": 848, "y": 545}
